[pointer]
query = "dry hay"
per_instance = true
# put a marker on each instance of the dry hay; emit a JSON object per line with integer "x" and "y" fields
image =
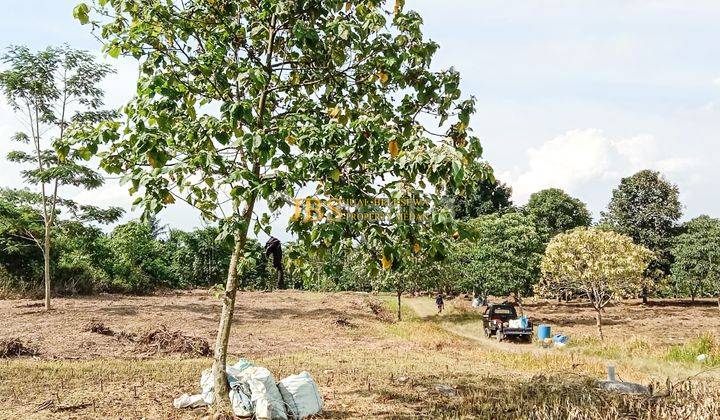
{"x": 159, "y": 340}
{"x": 55, "y": 408}
{"x": 31, "y": 305}
{"x": 379, "y": 309}
{"x": 343, "y": 322}
{"x": 102, "y": 329}
{"x": 162, "y": 340}
{"x": 99, "y": 328}
{"x": 551, "y": 397}
{"x": 14, "y": 347}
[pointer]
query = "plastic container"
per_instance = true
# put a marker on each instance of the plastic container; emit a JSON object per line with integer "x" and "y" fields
{"x": 560, "y": 340}
{"x": 523, "y": 322}
{"x": 543, "y": 331}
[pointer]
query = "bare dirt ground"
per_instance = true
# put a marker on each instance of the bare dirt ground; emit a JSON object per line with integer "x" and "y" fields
{"x": 366, "y": 366}
{"x": 261, "y": 322}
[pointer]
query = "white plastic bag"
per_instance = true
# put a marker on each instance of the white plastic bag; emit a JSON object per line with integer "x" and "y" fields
{"x": 265, "y": 396}
{"x": 301, "y": 395}
{"x": 252, "y": 392}
{"x": 187, "y": 400}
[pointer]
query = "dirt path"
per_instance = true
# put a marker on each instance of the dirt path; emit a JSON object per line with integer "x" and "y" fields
{"x": 425, "y": 309}
{"x": 469, "y": 325}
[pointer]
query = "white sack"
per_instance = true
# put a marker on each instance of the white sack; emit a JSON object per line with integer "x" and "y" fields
{"x": 265, "y": 396}
{"x": 301, "y": 395}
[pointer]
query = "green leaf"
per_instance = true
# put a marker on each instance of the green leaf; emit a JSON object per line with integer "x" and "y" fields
{"x": 80, "y": 12}
{"x": 114, "y": 51}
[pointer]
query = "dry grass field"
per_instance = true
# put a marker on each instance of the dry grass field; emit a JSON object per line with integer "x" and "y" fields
{"x": 367, "y": 366}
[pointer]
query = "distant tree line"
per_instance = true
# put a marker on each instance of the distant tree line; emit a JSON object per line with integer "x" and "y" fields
{"x": 499, "y": 254}
{"x": 135, "y": 257}
{"x": 132, "y": 258}
{"x": 501, "y": 251}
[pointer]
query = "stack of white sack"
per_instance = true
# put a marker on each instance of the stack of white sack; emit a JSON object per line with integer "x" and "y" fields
{"x": 254, "y": 392}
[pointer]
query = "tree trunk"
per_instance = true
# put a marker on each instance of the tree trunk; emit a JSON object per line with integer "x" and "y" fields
{"x": 645, "y": 295}
{"x": 399, "y": 311}
{"x": 518, "y": 300}
{"x": 221, "y": 388}
{"x": 46, "y": 259}
{"x": 598, "y": 319}
{"x": 281, "y": 278}
{"x": 718, "y": 298}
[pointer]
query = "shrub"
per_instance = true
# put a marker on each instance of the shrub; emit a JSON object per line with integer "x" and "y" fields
{"x": 688, "y": 352}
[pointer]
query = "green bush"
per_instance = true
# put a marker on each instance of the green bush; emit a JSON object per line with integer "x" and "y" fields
{"x": 688, "y": 352}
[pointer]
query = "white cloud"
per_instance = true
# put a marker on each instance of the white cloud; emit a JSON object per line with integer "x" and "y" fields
{"x": 716, "y": 82}
{"x": 110, "y": 194}
{"x": 670, "y": 165}
{"x": 580, "y": 157}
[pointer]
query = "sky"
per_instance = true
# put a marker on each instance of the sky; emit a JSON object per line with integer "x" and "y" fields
{"x": 574, "y": 94}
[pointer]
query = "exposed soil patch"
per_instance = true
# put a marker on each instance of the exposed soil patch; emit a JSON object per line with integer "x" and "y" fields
{"x": 107, "y": 325}
{"x": 663, "y": 322}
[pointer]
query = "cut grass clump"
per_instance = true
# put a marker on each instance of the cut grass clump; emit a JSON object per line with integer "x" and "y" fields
{"x": 379, "y": 309}
{"x": 158, "y": 341}
{"x": 14, "y": 347}
{"x": 162, "y": 340}
{"x": 687, "y": 353}
{"x": 99, "y": 328}
{"x": 102, "y": 329}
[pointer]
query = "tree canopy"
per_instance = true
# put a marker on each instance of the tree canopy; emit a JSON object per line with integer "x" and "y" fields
{"x": 646, "y": 207}
{"x": 603, "y": 265}
{"x": 484, "y": 196}
{"x": 554, "y": 212}
{"x": 503, "y": 256}
{"x": 696, "y": 251}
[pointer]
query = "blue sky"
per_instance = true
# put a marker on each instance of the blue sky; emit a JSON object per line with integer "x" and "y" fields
{"x": 571, "y": 94}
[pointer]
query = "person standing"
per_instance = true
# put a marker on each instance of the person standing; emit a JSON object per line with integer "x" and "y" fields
{"x": 440, "y": 303}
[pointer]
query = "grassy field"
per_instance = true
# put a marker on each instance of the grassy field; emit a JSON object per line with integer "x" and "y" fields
{"x": 367, "y": 366}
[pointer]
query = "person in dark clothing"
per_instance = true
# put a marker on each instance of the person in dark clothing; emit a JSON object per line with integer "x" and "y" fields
{"x": 273, "y": 246}
{"x": 440, "y": 302}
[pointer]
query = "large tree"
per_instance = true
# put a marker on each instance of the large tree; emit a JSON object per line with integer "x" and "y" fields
{"x": 246, "y": 101}
{"x": 696, "y": 251}
{"x": 554, "y": 211}
{"x": 503, "y": 257}
{"x": 603, "y": 265}
{"x": 646, "y": 207}
{"x": 50, "y": 90}
{"x": 484, "y": 196}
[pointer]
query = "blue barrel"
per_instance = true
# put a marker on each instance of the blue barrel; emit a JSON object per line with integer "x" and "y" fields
{"x": 543, "y": 331}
